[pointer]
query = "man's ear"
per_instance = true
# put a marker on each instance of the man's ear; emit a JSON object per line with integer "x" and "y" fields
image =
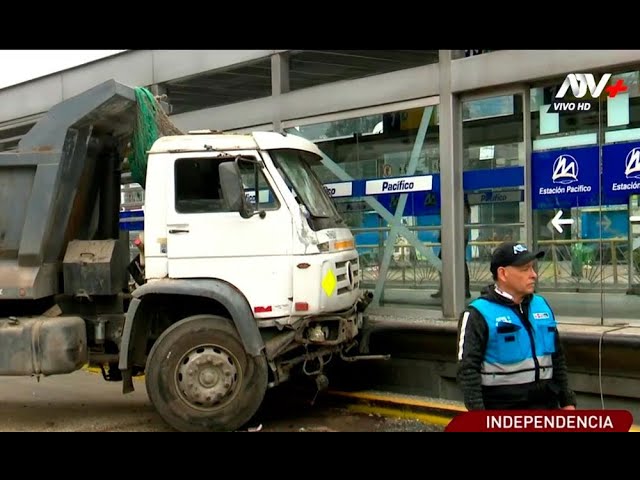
{"x": 501, "y": 273}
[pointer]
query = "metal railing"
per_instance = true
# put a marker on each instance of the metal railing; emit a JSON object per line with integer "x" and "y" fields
{"x": 570, "y": 264}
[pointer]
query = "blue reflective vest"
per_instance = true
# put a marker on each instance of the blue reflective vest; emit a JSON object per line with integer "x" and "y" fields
{"x": 509, "y": 341}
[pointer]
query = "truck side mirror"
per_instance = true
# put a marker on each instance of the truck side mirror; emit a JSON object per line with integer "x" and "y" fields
{"x": 233, "y": 189}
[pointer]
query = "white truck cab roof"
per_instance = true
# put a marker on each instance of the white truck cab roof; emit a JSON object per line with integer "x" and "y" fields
{"x": 200, "y": 142}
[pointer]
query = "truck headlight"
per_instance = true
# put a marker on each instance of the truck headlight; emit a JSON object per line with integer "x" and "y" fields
{"x": 324, "y": 247}
{"x": 335, "y": 245}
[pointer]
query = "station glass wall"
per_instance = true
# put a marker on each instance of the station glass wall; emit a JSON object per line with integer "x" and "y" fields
{"x": 596, "y": 256}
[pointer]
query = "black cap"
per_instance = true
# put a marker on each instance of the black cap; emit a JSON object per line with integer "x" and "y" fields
{"x": 511, "y": 253}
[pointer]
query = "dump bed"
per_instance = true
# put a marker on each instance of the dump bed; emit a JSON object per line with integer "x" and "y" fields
{"x": 62, "y": 184}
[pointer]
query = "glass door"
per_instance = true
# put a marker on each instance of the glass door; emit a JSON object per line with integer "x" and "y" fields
{"x": 565, "y": 193}
{"x": 585, "y": 150}
{"x": 634, "y": 244}
{"x": 494, "y": 153}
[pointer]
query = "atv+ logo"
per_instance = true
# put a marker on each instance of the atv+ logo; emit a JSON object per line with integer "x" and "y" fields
{"x": 580, "y": 84}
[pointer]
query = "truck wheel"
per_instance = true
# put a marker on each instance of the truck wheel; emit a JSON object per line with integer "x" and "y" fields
{"x": 199, "y": 377}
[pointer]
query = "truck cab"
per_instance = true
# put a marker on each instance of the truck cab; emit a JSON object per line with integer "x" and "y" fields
{"x": 282, "y": 243}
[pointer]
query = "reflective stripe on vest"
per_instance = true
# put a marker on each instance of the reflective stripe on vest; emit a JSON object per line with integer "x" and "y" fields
{"x": 508, "y": 358}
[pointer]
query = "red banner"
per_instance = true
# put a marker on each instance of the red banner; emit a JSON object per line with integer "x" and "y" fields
{"x": 541, "y": 421}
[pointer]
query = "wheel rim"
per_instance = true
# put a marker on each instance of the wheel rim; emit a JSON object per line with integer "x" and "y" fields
{"x": 207, "y": 377}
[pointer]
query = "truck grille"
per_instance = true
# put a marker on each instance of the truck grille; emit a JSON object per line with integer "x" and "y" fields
{"x": 348, "y": 275}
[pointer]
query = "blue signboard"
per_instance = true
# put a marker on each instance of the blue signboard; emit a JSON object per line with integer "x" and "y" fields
{"x": 565, "y": 178}
{"x": 605, "y": 224}
{"x": 132, "y": 220}
{"x": 493, "y": 178}
{"x": 620, "y": 172}
{"x": 419, "y": 203}
{"x": 495, "y": 196}
{"x": 428, "y": 202}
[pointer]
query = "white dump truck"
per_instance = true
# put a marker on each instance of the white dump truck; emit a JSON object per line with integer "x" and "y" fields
{"x": 249, "y": 274}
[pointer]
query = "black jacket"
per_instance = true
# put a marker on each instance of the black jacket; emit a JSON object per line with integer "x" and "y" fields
{"x": 542, "y": 394}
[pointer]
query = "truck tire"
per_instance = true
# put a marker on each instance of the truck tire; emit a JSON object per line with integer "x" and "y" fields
{"x": 199, "y": 377}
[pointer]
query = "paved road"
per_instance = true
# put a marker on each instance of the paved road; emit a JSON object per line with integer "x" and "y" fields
{"x": 80, "y": 401}
{"x": 83, "y": 401}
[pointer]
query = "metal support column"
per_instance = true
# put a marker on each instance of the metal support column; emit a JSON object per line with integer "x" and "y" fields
{"x": 528, "y": 148}
{"x": 279, "y": 85}
{"x": 451, "y": 194}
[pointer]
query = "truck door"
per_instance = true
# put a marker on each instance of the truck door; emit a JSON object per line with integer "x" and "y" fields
{"x": 206, "y": 240}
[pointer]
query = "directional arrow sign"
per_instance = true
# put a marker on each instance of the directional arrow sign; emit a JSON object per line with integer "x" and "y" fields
{"x": 634, "y": 218}
{"x": 557, "y": 221}
{"x": 605, "y": 223}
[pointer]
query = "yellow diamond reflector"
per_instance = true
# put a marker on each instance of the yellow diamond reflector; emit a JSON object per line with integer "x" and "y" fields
{"x": 329, "y": 283}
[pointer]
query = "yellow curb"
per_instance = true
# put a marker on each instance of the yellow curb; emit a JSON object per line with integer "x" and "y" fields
{"x": 397, "y": 413}
{"x": 401, "y": 401}
{"x": 397, "y": 406}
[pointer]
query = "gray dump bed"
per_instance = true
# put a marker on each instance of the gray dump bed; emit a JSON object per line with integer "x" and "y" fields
{"x": 50, "y": 189}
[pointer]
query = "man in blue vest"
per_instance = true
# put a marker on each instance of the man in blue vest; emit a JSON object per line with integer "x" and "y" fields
{"x": 509, "y": 353}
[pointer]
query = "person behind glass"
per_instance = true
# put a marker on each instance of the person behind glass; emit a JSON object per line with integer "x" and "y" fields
{"x": 509, "y": 350}
{"x": 467, "y": 220}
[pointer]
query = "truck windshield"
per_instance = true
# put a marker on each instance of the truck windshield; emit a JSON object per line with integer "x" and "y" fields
{"x": 296, "y": 167}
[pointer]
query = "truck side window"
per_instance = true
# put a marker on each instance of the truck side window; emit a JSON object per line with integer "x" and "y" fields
{"x": 266, "y": 198}
{"x": 197, "y": 186}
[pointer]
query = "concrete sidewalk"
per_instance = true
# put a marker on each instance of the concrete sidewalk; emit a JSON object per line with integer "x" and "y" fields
{"x": 402, "y": 316}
